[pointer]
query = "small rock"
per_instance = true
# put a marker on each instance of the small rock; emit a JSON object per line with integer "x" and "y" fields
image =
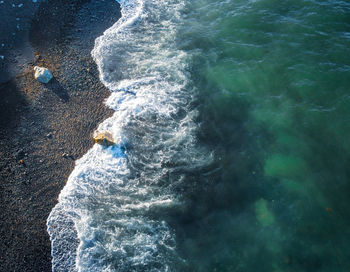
{"x": 49, "y": 135}
{"x": 42, "y": 74}
{"x": 21, "y": 161}
{"x": 104, "y": 138}
{"x": 66, "y": 156}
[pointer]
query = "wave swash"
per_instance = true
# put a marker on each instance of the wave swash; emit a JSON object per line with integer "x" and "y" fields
{"x": 111, "y": 213}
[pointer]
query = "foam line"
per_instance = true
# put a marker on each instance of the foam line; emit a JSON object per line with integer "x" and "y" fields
{"x": 110, "y": 215}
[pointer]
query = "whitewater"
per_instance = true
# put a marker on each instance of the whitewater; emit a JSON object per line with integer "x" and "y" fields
{"x": 113, "y": 213}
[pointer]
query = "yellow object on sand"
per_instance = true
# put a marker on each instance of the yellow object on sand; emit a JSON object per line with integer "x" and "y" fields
{"x": 104, "y": 138}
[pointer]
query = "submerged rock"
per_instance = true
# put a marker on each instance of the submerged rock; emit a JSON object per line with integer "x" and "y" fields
{"x": 263, "y": 213}
{"x": 104, "y": 138}
{"x": 42, "y": 74}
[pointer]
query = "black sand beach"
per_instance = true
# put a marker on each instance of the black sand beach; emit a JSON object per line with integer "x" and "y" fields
{"x": 45, "y": 128}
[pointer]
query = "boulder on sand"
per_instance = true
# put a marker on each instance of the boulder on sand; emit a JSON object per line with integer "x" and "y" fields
{"x": 103, "y": 138}
{"x": 42, "y": 74}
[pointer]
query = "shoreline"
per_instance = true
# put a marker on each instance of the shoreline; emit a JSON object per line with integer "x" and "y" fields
{"x": 48, "y": 126}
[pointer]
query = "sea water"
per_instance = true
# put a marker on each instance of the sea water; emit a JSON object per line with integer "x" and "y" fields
{"x": 232, "y": 129}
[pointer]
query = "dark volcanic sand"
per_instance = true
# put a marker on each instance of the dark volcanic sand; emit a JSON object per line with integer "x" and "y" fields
{"x": 48, "y": 126}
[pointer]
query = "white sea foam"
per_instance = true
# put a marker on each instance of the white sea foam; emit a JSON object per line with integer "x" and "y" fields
{"x": 109, "y": 215}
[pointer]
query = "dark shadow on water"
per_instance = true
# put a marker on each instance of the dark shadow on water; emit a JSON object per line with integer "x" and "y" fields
{"x": 55, "y": 86}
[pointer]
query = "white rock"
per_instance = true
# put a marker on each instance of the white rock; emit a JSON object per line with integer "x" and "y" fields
{"x": 42, "y": 74}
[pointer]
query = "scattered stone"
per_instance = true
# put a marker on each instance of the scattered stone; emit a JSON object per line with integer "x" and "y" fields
{"x": 49, "y": 135}
{"x": 42, "y": 74}
{"x": 65, "y": 155}
{"x": 104, "y": 138}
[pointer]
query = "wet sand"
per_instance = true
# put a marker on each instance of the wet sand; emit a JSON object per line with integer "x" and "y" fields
{"x": 45, "y": 128}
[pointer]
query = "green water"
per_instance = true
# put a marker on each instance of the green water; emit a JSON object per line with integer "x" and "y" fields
{"x": 273, "y": 79}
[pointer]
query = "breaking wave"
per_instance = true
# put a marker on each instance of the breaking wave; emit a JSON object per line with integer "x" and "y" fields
{"x": 112, "y": 213}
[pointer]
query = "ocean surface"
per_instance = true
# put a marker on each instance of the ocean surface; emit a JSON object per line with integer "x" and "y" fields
{"x": 232, "y": 123}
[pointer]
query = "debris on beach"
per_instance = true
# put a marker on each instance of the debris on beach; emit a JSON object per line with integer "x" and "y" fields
{"x": 42, "y": 74}
{"x": 103, "y": 138}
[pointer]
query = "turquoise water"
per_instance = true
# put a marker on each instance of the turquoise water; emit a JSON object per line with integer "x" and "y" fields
{"x": 232, "y": 146}
{"x": 273, "y": 79}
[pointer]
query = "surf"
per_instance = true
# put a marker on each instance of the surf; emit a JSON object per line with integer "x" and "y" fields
{"x": 112, "y": 213}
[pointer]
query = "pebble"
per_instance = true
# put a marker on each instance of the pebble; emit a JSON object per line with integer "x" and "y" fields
{"x": 42, "y": 74}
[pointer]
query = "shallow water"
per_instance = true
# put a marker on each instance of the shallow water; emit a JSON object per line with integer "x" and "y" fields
{"x": 232, "y": 128}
